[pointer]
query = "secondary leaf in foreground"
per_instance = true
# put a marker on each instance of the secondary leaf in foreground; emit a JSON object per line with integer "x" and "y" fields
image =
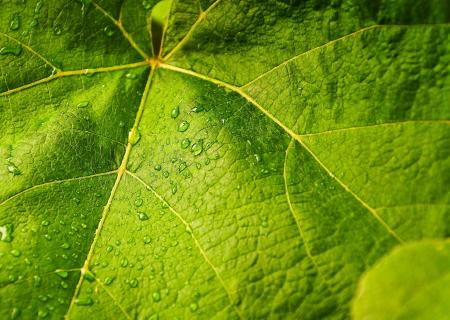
{"x": 270, "y": 154}
{"x": 411, "y": 282}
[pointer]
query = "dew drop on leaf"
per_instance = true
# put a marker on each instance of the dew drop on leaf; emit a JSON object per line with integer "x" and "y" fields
{"x": 12, "y": 50}
{"x": 175, "y": 112}
{"x": 37, "y": 281}
{"x": 157, "y": 167}
{"x": 197, "y": 148}
{"x": 138, "y": 202}
{"x": 108, "y": 31}
{"x": 13, "y": 169}
{"x": 109, "y": 280}
{"x": 89, "y": 276}
{"x": 130, "y": 75}
{"x": 6, "y": 232}
{"x": 197, "y": 109}
{"x": 185, "y": 143}
{"x": 45, "y": 223}
{"x": 133, "y": 283}
{"x": 83, "y": 104}
{"x": 64, "y": 284}
{"x": 183, "y": 126}
{"x": 124, "y": 262}
{"x": 142, "y": 216}
{"x": 147, "y": 239}
{"x": 156, "y": 296}
{"x": 61, "y": 273}
{"x": 84, "y": 301}
{"x": 14, "y": 24}
{"x": 15, "y": 253}
{"x": 109, "y": 248}
{"x": 166, "y": 174}
{"x": 57, "y": 30}
{"x": 65, "y": 245}
{"x": 42, "y": 313}
{"x": 38, "y": 7}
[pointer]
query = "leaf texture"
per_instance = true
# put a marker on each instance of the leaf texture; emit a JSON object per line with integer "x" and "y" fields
{"x": 272, "y": 153}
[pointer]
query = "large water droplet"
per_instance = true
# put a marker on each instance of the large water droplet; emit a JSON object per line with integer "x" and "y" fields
{"x": 84, "y": 301}
{"x": 108, "y": 31}
{"x": 13, "y": 169}
{"x": 13, "y": 50}
{"x": 138, "y": 202}
{"x": 65, "y": 245}
{"x": 197, "y": 148}
{"x": 134, "y": 137}
{"x": 61, "y": 273}
{"x": 15, "y": 252}
{"x": 42, "y": 313}
{"x": 133, "y": 283}
{"x": 147, "y": 239}
{"x": 38, "y": 7}
{"x": 156, "y": 296}
{"x": 89, "y": 276}
{"x": 175, "y": 112}
{"x": 108, "y": 280}
{"x": 57, "y": 30}
{"x": 6, "y": 232}
{"x": 83, "y": 104}
{"x": 183, "y": 126}
{"x": 142, "y": 216}
{"x": 185, "y": 143}
{"x": 157, "y": 167}
{"x": 124, "y": 262}
{"x": 14, "y": 24}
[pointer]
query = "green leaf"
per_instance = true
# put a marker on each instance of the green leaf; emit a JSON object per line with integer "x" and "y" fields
{"x": 266, "y": 157}
{"x": 411, "y": 282}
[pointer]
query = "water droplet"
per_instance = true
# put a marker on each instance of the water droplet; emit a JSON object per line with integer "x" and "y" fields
{"x": 108, "y": 31}
{"x": 89, "y": 276}
{"x": 14, "y": 24}
{"x": 37, "y": 281}
{"x": 183, "y": 126}
{"x": 16, "y": 51}
{"x": 38, "y": 7}
{"x": 84, "y": 301}
{"x": 185, "y": 143}
{"x": 57, "y": 30}
{"x": 166, "y": 174}
{"x": 134, "y": 137}
{"x": 48, "y": 237}
{"x": 175, "y": 112}
{"x": 6, "y": 232}
{"x": 42, "y": 313}
{"x": 15, "y": 252}
{"x": 83, "y": 104}
{"x": 131, "y": 75}
{"x": 109, "y": 280}
{"x": 193, "y": 307}
{"x": 142, "y": 216}
{"x": 156, "y": 296}
{"x": 138, "y": 202}
{"x": 124, "y": 262}
{"x": 61, "y": 273}
{"x": 182, "y": 166}
{"x": 64, "y": 284}
{"x": 45, "y": 223}
{"x": 147, "y": 4}
{"x": 12, "y": 168}
{"x": 174, "y": 188}
{"x": 121, "y": 124}
{"x": 147, "y": 239}
{"x": 157, "y": 167}
{"x": 65, "y": 245}
{"x": 133, "y": 283}
{"x": 197, "y": 148}
{"x": 109, "y": 248}
{"x": 198, "y": 109}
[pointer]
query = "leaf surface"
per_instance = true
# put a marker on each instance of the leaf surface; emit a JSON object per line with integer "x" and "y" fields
{"x": 393, "y": 289}
{"x": 271, "y": 154}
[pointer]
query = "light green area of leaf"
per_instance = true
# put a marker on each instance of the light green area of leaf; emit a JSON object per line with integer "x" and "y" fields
{"x": 271, "y": 154}
{"x": 411, "y": 282}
